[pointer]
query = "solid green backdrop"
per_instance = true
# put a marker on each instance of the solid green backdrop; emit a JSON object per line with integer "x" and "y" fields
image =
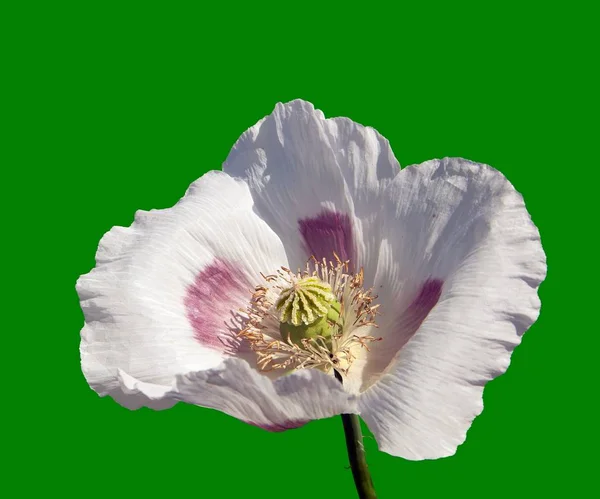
{"x": 110, "y": 109}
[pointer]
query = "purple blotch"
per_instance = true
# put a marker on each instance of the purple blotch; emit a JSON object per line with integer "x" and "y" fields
{"x": 409, "y": 321}
{"x": 211, "y": 301}
{"x": 401, "y": 327}
{"x": 428, "y": 296}
{"x": 327, "y": 233}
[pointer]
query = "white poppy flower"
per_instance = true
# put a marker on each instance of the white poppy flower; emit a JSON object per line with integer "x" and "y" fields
{"x": 195, "y": 303}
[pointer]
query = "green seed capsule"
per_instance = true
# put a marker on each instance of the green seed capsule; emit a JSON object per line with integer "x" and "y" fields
{"x": 308, "y": 309}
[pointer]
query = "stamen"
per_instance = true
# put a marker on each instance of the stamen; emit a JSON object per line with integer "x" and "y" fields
{"x": 302, "y": 298}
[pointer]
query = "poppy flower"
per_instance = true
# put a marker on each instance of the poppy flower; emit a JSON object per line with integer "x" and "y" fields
{"x": 314, "y": 277}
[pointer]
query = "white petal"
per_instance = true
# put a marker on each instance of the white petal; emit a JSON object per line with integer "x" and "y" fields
{"x": 160, "y": 300}
{"x": 286, "y": 403}
{"x": 463, "y": 224}
{"x": 133, "y": 394}
{"x": 300, "y": 165}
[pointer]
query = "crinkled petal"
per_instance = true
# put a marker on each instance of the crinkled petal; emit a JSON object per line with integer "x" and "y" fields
{"x": 317, "y": 182}
{"x": 286, "y": 403}
{"x": 164, "y": 295}
{"x": 464, "y": 228}
{"x": 133, "y": 394}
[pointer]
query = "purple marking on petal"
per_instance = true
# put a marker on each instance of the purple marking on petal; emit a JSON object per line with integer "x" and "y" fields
{"x": 400, "y": 328}
{"x": 409, "y": 321}
{"x": 426, "y": 299}
{"x": 419, "y": 309}
{"x": 211, "y": 302}
{"x": 286, "y": 425}
{"x": 327, "y": 233}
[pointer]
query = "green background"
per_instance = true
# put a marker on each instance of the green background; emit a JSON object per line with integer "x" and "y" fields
{"x": 112, "y": 108}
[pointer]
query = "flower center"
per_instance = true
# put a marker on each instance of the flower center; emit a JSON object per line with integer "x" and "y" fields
{"x": 308, "y": 309}
{"x": 316, "y": 318}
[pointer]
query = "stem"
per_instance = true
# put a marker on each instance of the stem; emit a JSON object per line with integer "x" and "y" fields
{"x": 356, "y": 454}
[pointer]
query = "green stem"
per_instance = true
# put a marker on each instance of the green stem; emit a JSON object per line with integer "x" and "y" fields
{"x": 356, "y": 454}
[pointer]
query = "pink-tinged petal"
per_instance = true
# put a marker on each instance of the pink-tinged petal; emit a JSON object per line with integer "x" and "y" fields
{"x": 171, "y": 279}
{"x": 275, "y": 405}
{"x": 464, "y": 224}
{"x": 397, "y": 327}
{"x": 327, "y": 234}
{"x": 278, "y": 428}
{"x": 212, "y": 302}
{"x": 415, "y": 314}
{"x": 302, "y": 167}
